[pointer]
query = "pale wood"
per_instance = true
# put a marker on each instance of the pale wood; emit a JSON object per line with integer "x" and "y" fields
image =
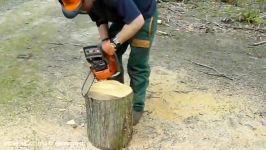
{"x": 109, "y": 90}
{"x": 109, "y": 115}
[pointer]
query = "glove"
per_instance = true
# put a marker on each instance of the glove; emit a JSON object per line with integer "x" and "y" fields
{"x": 108, "y": 47}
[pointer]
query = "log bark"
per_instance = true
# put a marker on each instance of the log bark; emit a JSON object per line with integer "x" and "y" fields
{"x": 109, "y": 115}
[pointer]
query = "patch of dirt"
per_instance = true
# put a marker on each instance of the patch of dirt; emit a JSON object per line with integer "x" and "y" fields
{"x": 189, "y": 106}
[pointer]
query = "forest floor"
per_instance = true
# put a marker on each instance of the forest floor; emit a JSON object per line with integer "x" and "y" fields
{"x": 207, "y": 85}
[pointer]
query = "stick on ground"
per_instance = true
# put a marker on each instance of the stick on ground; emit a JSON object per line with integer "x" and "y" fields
{"x": 217, "y": 73}
{"x": 258, "y": 43}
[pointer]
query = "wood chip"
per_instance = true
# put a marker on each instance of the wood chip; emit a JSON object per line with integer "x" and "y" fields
{"x": 72, "y": 123}
{"x": 162, "y": 32}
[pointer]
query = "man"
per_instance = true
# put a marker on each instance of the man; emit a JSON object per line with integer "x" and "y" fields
{"x": 134, "y": 23}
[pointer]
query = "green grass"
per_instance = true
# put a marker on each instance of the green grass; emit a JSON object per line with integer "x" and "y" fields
{"x": 22, "y": 34}
{"x": 250, "y": 16}
{"x": 249, "y": 11}
{"x": 13, "y": 85}
{"x": 19, "y": 78}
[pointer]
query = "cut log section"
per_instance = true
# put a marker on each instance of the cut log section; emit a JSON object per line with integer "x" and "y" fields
{"x": 109, "y": 115}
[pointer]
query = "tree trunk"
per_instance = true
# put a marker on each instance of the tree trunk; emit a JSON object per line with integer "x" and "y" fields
{"x": 109, "y": 115}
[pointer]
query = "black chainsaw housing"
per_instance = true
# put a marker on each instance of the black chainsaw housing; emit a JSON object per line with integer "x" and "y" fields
{"x": 94, "y": 56}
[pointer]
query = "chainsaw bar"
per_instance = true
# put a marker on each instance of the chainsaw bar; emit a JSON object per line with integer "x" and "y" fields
{"x": 84, "y": 92}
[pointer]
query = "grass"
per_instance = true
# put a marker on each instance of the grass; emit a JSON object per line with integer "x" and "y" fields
{"x": 249, "y": 11}
{"x": 250, "y": 16}
{"x": 19, "y": 78}
{"x": 14, "y": 72}
{"x": 23, "y": 30}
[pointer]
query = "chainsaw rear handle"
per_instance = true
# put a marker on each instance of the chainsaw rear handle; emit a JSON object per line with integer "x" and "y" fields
{"x": 113, "y": 64}
{"x": 118, "y": 69}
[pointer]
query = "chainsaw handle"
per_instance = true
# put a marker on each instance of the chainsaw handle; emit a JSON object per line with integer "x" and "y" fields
{"x": 118, "y": 69}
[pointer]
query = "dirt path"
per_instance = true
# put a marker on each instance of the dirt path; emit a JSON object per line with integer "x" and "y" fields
{"x": 187, "y": 106}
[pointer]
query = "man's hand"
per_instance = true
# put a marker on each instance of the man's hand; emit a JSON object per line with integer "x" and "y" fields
{"x": 108, "y": 47}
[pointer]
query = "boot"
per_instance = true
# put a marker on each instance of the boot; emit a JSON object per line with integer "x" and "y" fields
{"x": 136, "y": 117}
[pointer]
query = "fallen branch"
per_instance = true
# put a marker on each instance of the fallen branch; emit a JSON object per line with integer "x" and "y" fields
{"x": 163, "y": 33}
{"x": 206, "y": 66}
{"x": 263, "y": 30}
{"x": 166, "y": 24}
{"x": 182, "y": 92}
{"x": 173, "y": 10}
{"x": 258, "y": 43}
{"x": 247, "y": 28}
{"x": 54, "y": 43}
{"x": 217, "y": 24}
{"x": 218, "y": 73}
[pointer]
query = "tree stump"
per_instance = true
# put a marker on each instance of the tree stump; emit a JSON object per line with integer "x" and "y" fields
{"x": 109, "y": 115}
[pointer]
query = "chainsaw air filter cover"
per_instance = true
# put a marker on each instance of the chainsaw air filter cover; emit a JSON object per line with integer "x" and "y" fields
{"x": 94, "y": 56}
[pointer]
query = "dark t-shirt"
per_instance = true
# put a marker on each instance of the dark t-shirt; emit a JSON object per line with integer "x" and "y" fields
{"x": 121, "y": 10}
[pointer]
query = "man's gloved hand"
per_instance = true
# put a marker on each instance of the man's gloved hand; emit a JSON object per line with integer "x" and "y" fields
{"x": 108, "y": 47}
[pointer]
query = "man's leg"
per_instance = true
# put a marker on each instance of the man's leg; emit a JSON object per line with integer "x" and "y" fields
{"x": 113, "y": 30}
{"x": 138, "y": 63}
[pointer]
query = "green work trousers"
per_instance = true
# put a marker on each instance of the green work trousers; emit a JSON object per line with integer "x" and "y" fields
{"x": 138, "y": 63}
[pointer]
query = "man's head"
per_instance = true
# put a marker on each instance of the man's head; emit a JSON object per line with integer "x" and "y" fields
{"x": 71, "y": 8}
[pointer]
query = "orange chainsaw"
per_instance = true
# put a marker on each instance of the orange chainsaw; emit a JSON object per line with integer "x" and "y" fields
{"x": 103, "y": 66}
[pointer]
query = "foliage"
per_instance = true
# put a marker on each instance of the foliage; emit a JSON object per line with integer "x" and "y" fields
{"x": 249, "y": 10}
{"x": 250, "y": 16}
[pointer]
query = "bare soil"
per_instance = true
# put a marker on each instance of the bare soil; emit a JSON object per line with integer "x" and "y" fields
{"x": 207, "y": 85}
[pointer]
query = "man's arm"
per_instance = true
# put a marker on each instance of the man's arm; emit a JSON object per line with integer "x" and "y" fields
{"x": 103, "y": 31}
{"x": 129, "y": 30}
{"x": 132, "y": 18}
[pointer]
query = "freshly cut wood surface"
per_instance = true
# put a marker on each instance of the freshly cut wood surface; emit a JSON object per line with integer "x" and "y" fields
{"x": 109, "y": 90}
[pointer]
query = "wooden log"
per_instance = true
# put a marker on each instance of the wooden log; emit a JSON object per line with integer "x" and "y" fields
{"x": 109, "y": 115}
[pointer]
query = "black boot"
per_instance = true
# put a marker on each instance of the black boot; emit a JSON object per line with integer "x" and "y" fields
{"x": 136, "y": 117}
